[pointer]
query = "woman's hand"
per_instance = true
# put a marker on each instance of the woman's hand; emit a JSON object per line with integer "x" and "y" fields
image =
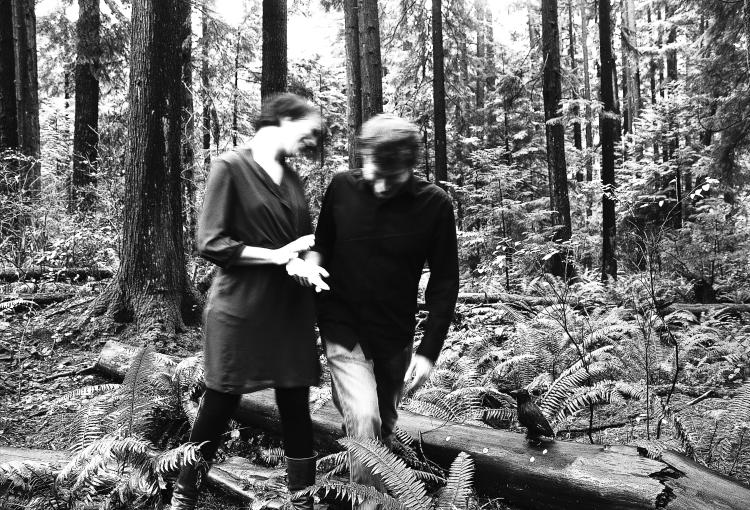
{"x": 285, "y": 254}
{"x": 307, "y": 274}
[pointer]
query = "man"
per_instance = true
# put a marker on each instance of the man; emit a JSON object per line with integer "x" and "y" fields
{"x": 377, "y": 228}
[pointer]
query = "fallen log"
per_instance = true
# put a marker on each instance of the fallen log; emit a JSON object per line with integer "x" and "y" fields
{"x": 54, "y": 274}
{"x": 39, "y": 299}
{"x": 235, "y": 476}
{"x": 550, "y": 475}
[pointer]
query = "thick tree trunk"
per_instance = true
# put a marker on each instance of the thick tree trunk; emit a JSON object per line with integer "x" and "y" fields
{"x": 205, "y": 99}
{"x": 353, "y": 79}
{"x": 274, "y": 70}
{"x": 371, "y": 67}
{"x": 556, "y": 166}
{"x": 587, "y": 90}
{"x": 609, "y": 129}
{"x": 548, "y": 475}
{"x": 27, "y": 94}
{"x": 438, "y": 92}
{"x": 152, "y": 287}
{"x": 86, "y": 125}
{"x": 8, "y": 115}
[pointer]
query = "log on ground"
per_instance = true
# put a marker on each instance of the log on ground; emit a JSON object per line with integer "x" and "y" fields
{"x": 551, "y": 475}
{"x": 55, "y": 274}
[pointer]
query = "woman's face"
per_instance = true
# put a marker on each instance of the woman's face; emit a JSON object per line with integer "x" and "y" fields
{"x": 298, "y": 134}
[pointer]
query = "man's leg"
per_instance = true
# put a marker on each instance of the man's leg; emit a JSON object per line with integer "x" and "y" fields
{"x": 355, "y": 396}
{"x": 389, "y": 375}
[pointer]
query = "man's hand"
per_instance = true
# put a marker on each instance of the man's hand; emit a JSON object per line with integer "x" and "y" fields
{"x": 417, "y": 373}
{"x": 307, "y": 274}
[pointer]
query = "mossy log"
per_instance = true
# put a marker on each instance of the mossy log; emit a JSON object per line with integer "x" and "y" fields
{"x": 550, "y": 475}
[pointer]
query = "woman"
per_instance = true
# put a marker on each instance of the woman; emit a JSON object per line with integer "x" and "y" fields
{"x": 258, "y": 322}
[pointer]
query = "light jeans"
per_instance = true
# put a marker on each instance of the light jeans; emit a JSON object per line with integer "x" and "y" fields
{"x": 367, "y": 393}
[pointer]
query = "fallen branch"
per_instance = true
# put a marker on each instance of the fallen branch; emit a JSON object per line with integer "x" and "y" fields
{"x": 549, "y": 475}
{"x": 55, "y": 274}
{"x": 73, "y": 372}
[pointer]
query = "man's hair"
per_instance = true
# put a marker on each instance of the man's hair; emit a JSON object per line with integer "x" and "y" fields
{"x": 278, "y": 106}
{"x": 392, "y": 141}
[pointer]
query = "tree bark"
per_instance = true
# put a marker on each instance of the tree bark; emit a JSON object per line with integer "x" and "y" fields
{"x": 205, "y": 100}
{"x": 353, "y": 79}
{"x": 583, "y": 476}
{"x": 8, "y": 115}
{"x": 587, "y": 89}
{"x": 188, "y": 123}
{"x": 86, "y": 125}
{"x": 438, "y": 93}
{"x": 152, "y": 288}
{"x": 556, "y": 166}
{"x": 274, "y": 67}
{"x": 481, "y": 7}
{"x": 27, "y": 95}
{"x": 371, "y": 67}
{"x": 608, "y": 129}
{"x": 577, "y": 141}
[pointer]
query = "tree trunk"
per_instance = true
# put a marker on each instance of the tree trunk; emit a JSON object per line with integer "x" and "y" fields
{"x": 8, "y": 115}
{"x": 274, "y": 70}
{"x": 584, "y": 477}
{"x": 353, "y": 79}
{"x": 27, "y": 94}
{"x": 371, "y": 67}
{"x": 609, "y": 129}
{"x": 235, "y": 87}
{"x": 438, "y": 93}
{"x": 152, "y": 288}
{"x": 205, "y": 98}
{"x": 86, "y": 125}
{"x": 577, "y": 142}
{"x": 188, "y": 123}
{"x": 556, "y": 167}
{"x": 479, "y": 90}
{"x": 587, "y": 89}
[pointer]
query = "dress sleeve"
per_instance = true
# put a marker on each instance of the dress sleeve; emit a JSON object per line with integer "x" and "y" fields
{"x": 213, "y": 239}
{"x": 442, "y": 287}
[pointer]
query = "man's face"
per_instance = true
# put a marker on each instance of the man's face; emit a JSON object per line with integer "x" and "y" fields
{"x": 299, "y": 134}
{"x": 384, "y": 185}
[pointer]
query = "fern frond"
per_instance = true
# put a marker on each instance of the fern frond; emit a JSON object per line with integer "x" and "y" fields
{"x": 663, "y": 411}
{"x": 138, "y": 395}
{"x": 555, "y": 398}
{"x": 438, "y": 410}
{"x": 357, "y": 493}
{"x": 90, "y": 391}
{"x": 500, "y": 414}
{"x": 89, "y": 426}
{"x": 398, "y": 478}
{"x": 271, "y": 456}
{"x": 12, "y": 303}
{"x": 735, "y": 424}
{"x": 173, "y": 460}
{"x": 458, "y": 488}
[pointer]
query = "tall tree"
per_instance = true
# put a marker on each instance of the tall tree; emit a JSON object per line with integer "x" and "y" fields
{"x": 8, "y": 116}
{"x": 353, "y": 79}
{"x": 188, "y": 124}
{"x": 274, "y": 68}
{"x": 587, "y": 88}
{"x": 608, "y": 131}
{"x": 27, "y": 93}
{"x": 205, "y": 91}
{"x": 552, "y": 89}
{"x": 481, "y": 6}
{"x": 371, "y": 67}
{"x": 574, "y": 87}
{"x": 438, "y": 92}
{"x": 152, "y": 287}
{"x": 86, "y": 123}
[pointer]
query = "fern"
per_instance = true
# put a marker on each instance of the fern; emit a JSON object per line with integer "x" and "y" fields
{"x": 458, "y": 488}
{"x": 735, "y": 427}
{"x": 357, "y": 493}
{"x": 398, "y": 478}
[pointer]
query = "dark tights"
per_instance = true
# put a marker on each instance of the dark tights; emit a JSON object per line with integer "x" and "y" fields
{"x": 216, "y": 409}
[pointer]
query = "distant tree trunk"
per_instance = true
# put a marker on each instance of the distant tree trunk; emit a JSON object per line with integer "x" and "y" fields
{"x": 587, "y": 90}
{"x": 479, "y": 88}
{"x": 557, "y": 169}
{"x": 671, "y": 39}
{"x": 533, "y": 42}
{"x": 8, "y": 115}
{"x": 152, "y": 288}
{"x": 27, "y": 94}
{"x": 438, "y": 92}
{"x": 490, "y": 76}
{"x": 627, "y": 85}
{"x": 86, "y": 124}
{"x": 371, "y": 65}
{"x": 188, "y": 123}
{"x": 577, "y": 142}
{"x": 608, "y": 129}
{"x": 235, "y": 88}
{"x": 353, "y": 79}
{"x": 274, "y": 67}
{"x": 205, "y": 95}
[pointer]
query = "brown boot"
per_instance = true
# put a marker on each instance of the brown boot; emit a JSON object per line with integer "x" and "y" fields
{"x": 300, "y": 473}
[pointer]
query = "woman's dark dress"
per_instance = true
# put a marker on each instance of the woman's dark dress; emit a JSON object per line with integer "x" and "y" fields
{"x": 258, "y": 322}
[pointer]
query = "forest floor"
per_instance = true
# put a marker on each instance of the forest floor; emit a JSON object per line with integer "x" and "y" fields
{"x": 41, "y": 362}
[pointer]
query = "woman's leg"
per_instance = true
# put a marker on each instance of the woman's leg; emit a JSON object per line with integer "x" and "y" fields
{"x": 296, "y": 429}
{"x": 213, "y": 415}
